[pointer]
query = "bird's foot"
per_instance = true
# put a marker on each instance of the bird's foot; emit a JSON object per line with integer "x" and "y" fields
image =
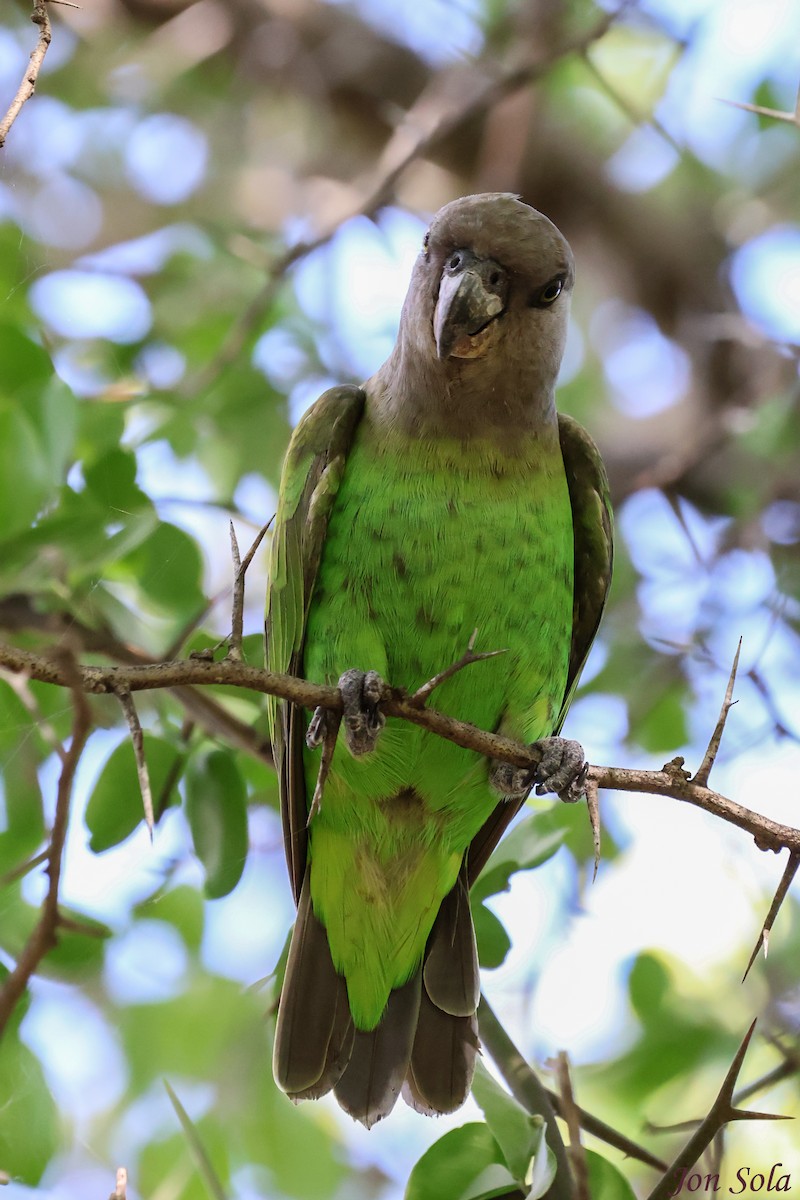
{"x": 562, "y": 769}
{"x": 362, "y": 720}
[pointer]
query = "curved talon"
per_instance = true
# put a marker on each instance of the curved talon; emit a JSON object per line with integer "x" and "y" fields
{"x": 361, "y": 718}
{"x": 561, "y": 769}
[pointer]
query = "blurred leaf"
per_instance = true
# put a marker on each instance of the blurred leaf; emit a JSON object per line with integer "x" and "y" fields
{"x": 181, "y": 907}
{"x": 167, "y": 566}
{"x": 606, "y": 1182}
{"x": 530, "y": 843}
{"x": 112, "y": 480}
{"x": 202, "y": 1161}
{"x": 662, "y": 727}
{"x": 29, "y": 1133}
{"x": 216, "y": 809}
{"x": 465, "y": 1164}
{"x": 21, "y": 751}
{"x": 491, "y": 936}
{"x": 115, "y": 806}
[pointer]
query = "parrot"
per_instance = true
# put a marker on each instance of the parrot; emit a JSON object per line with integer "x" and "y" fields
{"x": 443, "y": 504}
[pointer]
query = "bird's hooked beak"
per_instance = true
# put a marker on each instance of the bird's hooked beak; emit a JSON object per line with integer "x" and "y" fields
{"x": 472, "y": 293}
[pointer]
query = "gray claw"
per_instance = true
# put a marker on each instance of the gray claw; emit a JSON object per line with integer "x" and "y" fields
{"x": 561, "y": 769}
{"x": 361, "y": 694}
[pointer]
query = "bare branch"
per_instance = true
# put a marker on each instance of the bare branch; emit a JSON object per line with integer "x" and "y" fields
{"x": 43, "y": 938}
{"x": 526, "y": 1087}
{"x": 332, "y": 723}
{"x": 569, "y": 1112}
{"x": 121, "y": 1190}
{"x": 40, "y": 17}
{"x": 720, "y": 1114}
{"x": 491, "y": 86}
{"x": 774, "y": 908}
{"x": 702, "y": 774}
{"x": 791, "y": 118}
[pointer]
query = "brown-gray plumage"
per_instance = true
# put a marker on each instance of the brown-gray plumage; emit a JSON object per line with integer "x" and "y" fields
{"x": 402, "y": 505}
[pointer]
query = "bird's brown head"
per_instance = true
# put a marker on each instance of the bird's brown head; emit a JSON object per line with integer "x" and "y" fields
{"x": 487, "y": 308}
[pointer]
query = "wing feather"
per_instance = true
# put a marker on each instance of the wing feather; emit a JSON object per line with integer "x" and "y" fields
{"x": 312, "y": 472}
{"x": 592, "y": 525}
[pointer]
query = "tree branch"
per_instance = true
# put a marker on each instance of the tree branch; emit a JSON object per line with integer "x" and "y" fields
{"x": 40, "y": 17}
{"x": 671, "y": 781}
{"x": 43, "y": 938}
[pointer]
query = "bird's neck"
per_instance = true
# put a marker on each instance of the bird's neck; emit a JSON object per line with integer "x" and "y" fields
{"x": 469, "y": 400}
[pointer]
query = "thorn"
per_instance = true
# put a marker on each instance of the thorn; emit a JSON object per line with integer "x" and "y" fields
{"x": 789, "y": 873}
{"x": 467, "y": 658}
{"x": 137, "y": 739}
{"x": 702, "y": 774}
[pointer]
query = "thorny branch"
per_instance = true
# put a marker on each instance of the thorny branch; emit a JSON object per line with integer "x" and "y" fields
{"x": 44, "y": 936}
{"x": 671, "y": 781}
{"x": 40, "y": 17}
{"x": 721, "y": 1113}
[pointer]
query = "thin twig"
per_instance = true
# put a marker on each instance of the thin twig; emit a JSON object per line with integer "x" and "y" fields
{"x": 27, "y": 87}
{"x": 24, "y": 868}
{"x": 569, "y": 1112}
{"x": 421, "y": 695}
{"x": 492, "y": 86}
{"x": 527, "y": 1088}
{"x": 121, "y": 1190}
{"x": 702, "y": 774}
{"x": 44, "y": 935}
{"x": 774, "y": 908}
{"x": 721, "y": 1113}
{"x": 605, "y": 1133}
{"x": 137, "y": 740}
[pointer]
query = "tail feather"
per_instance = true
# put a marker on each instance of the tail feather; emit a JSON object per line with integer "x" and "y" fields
{"x": 442, "y": 1060}
{"x": 314, "y": 1032}
{"x": 425, "y": 1043}
{"x": 370, "y": 1085}
{"x": 451, "y": 973}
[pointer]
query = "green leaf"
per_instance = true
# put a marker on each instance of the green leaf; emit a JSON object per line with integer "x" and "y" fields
{"x": 112, "y": 480}
{"x": 606, "y": 1182}
{"x": 29, "y": 1126}
{"x": 529, "y": 844}
{"x": 181, "y": 907}
{"x": 542, "y": 1169}
{"x": 216, "y": 808}
{"x": 491, "y": 936}
{"x": 465, "y": 1164}
{"x": 21, "y": 753}
{"x": 115, "y": 806}
{"x": 168, "y": 567}
{"x": 517, "y": 1133}
{"x": 662, "y": 726}
{"x": 22, "y": 362}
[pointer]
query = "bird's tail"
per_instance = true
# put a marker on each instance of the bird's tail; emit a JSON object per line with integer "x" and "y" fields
{"x": 425, "y": 1043}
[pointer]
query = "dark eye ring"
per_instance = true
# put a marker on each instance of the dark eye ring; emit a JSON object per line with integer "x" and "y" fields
{"x": 551, "y": 291}
{"x": 425, "y": 242}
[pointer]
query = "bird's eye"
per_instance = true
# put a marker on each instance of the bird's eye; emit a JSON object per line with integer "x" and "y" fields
{"x": 550, "y": 292}
{"x": 425, "y": 242}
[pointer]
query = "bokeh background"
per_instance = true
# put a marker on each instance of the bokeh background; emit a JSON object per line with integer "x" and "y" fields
{"x": 155, "y": 350}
